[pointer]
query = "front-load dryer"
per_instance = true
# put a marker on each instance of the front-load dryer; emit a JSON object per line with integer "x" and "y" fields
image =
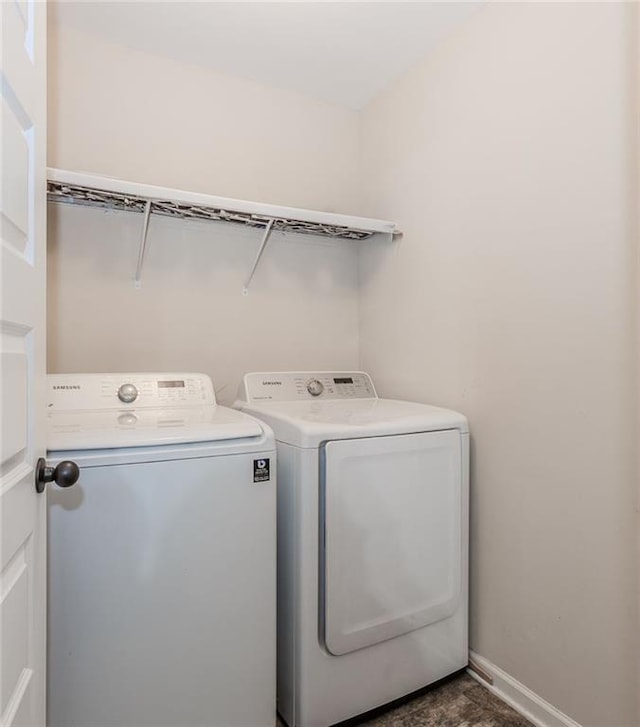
{"x": 372, "y": 542}
{"x": 162, "y": 558}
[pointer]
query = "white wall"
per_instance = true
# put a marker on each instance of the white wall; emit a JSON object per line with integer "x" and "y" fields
{"x": 508, "y": 160}
{"x": 128, "y": 114}
{"x": 301, "y": 310}
{"x": 147, "y": 118}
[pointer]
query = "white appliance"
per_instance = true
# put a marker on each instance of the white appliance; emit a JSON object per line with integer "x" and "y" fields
{"x": 162, "y": 558}
{"x": 372, "y": 542}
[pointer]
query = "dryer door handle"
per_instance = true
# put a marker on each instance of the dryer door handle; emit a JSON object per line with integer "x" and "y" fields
{"x": 65, "y": 474}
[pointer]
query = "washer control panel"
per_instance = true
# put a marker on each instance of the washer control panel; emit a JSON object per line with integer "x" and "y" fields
{"x": 307, "y": 385}
{"x": 81, "y": 392}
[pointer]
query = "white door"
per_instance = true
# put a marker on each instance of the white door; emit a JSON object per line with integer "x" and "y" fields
{"x": 393, "y": 533}
{"x": 22, "y": 361}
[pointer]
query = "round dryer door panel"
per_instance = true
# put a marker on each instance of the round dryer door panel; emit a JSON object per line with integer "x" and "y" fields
{"x": 391, "y": 550}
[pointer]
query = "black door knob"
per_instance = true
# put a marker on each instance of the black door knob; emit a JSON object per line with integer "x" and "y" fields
{"x": 64, "y": 474}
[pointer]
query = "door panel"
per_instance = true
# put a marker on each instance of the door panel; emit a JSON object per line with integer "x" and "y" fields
{"x": 14, "y": 398}
{"x": 20, "y": 105}
{"x": 22, "y": 317}
{"x": 15, "y": 623}
{"x": 392, "y": 536}
{"x": 15, "y": 184}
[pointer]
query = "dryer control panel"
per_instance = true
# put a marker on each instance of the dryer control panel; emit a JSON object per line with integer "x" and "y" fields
{"x": 82, "y": 392}
{"x": 306, "y": 385}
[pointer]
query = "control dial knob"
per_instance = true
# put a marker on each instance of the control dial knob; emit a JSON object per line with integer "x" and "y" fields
{"x": 315, "y": 387}
{"x": 127, "y": 393}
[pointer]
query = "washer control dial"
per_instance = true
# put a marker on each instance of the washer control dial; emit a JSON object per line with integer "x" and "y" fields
{"x": 315, "y": 387}
{"x": 127, "y": 393}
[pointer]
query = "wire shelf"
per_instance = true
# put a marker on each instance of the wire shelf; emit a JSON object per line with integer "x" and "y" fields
{"x": 106, "y": 199}
{"x": 79, "y": 188}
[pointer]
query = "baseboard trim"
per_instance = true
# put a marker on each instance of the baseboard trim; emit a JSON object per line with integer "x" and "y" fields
{"x": 516, "y": 695}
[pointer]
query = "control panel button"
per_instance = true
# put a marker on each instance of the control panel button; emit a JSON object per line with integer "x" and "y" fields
{"x": 127, "y": 393}
{"x": 315, "y": 387}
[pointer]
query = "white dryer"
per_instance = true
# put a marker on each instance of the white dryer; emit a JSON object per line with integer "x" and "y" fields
{"x": 372, "y": 542}
{"x": 162, "y": 558}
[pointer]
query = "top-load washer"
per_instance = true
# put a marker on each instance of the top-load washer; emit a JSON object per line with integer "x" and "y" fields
{"x": 372, "y": 542}
{"x": 162, "y": 558}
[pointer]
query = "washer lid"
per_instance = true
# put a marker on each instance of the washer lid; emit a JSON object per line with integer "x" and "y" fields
{"x": 73, "y": 430}
{"x": 309, "y": 423}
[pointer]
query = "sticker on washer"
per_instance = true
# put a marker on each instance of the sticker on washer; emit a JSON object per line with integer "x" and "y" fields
{"x": 261, "y": 470}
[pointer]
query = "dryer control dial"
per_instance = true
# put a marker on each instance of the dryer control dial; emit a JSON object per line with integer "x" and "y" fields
{"x": 127, "y": 393}
{"x": 315, "y": 387}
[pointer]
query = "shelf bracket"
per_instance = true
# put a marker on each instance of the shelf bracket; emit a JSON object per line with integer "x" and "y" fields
{"x": 263, "y": 244}
{"x": 137, "y": 281}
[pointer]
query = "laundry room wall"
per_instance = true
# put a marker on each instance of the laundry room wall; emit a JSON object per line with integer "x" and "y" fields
{"x": 507, "y": 157}
{"x": 137, "y": 116}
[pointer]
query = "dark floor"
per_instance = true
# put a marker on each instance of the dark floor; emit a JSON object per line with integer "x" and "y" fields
{"x": 460, "y": 702}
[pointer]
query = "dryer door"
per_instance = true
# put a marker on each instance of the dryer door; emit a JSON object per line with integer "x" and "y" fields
{"x": 391, "y": 545}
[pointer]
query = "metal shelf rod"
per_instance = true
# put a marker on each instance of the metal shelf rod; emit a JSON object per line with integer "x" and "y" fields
{"x": 263, "y": 244}
{"x": 137, "y": 281}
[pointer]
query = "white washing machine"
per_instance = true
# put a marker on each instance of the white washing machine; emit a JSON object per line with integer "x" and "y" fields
{"x": 372, "y": 542}
{"x": 162, "y": 558}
